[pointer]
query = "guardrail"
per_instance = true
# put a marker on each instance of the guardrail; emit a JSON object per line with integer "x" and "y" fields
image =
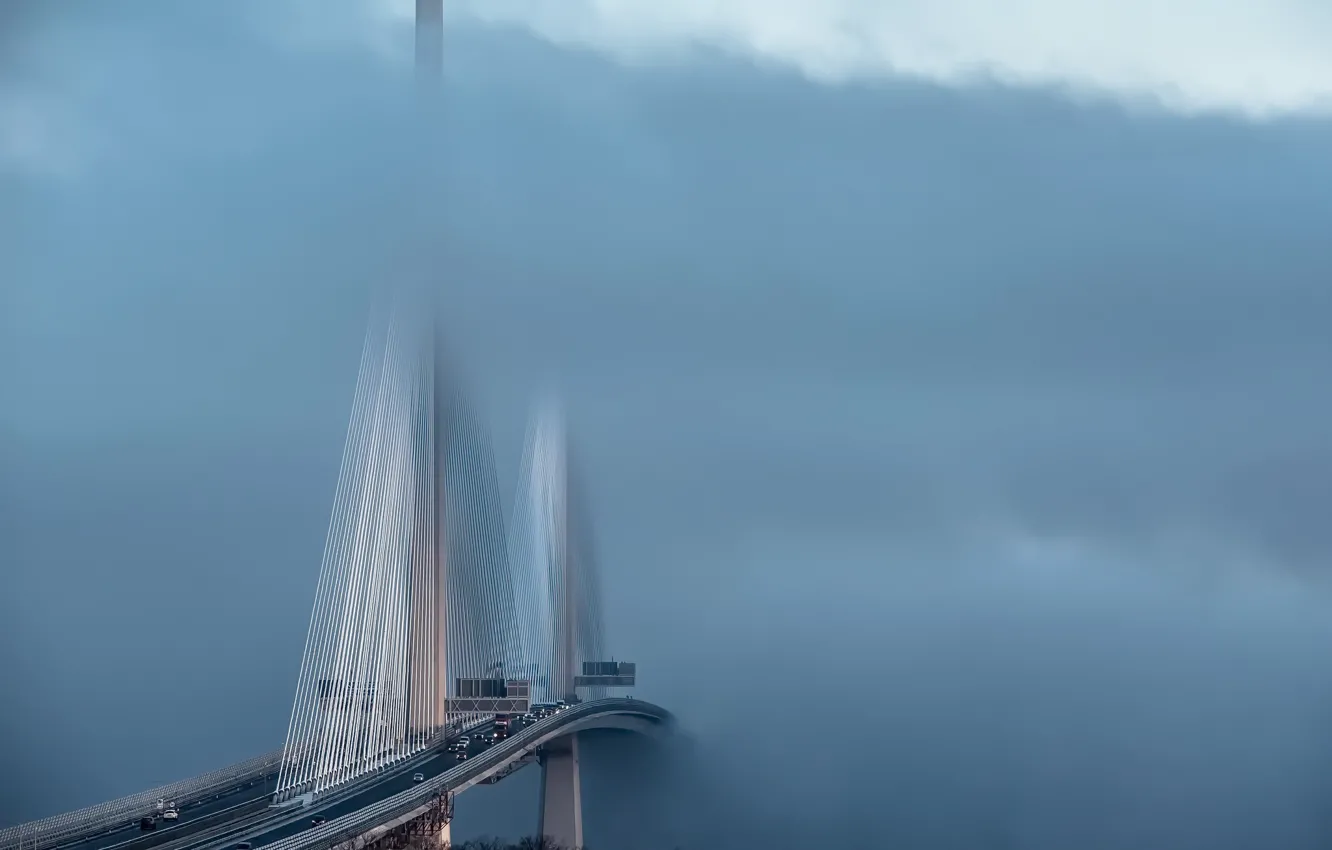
{"x": 103, "y": 817}
{"x": 354, "y": 824}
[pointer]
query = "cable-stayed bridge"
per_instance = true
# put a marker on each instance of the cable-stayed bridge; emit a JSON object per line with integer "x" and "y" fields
{"x": 447, "y": 647}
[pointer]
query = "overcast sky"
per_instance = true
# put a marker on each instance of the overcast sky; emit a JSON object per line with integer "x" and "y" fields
{"x": 946, "y": 373}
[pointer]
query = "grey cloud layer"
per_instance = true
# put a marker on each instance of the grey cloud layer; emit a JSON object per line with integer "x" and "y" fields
{"x": 839, "y": 362}
{"x": 1253, "y": 57}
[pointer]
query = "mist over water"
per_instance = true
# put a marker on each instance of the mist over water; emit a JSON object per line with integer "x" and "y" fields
{"x": 957, "y": 461}
{"x": 1009, "y": 706}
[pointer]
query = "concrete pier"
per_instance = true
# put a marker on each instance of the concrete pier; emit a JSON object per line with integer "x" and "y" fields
{"x": 561, "y": 793}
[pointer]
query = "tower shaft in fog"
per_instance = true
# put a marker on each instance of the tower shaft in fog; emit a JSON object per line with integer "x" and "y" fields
{"x": 429, "y": 41}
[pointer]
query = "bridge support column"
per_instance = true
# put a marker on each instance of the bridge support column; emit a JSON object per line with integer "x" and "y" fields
{"x": 561, "y": 817}
{"x": 446, "y": 836}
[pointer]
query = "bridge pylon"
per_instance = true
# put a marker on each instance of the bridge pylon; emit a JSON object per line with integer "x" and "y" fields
{"x": 557, "y": 584}
{"x": 558, "y": 594}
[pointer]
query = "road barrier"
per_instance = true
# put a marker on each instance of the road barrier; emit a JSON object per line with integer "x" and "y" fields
{"x": 116, "y": 814}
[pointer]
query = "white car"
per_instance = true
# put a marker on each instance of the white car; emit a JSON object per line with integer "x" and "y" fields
{"x": 170, "y": 814}
{"x": 418, "y": 777}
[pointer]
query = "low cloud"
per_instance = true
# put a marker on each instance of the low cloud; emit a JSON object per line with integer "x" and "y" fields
{"x": 34, "y": 136}
{"x": 37, "y": 136}
{"x": 1257, "y": 58}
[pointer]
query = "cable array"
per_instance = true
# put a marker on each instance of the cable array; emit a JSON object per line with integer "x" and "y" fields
{"x": 481, "y": 610}
{"x": 369, "y": 690}
{"x": 555, "y": 578}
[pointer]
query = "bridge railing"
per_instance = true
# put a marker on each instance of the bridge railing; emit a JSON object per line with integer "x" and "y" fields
{"x": 103, "y": 817}
{"x": 355, "y": 824}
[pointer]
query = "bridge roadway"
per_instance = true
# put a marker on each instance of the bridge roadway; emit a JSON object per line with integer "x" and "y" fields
{"x": 192, "y": 814}
{"x": 267, "y": 832}
{"x": 345, "y": 823}
{"x": 244, "y": 813}
{"x": 248, "y": 803}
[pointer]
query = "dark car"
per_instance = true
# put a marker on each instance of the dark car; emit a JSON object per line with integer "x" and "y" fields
{"x": 245, "y": 845}
{"x": 146, "y": 824}
{"x": 317, "y": 820}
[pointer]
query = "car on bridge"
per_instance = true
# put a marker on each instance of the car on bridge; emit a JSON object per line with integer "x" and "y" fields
{"x": 418, "y": 777}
